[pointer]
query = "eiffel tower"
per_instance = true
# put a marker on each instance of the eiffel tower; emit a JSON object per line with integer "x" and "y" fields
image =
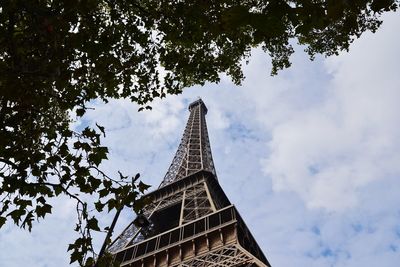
{"x": 190, "y": 221}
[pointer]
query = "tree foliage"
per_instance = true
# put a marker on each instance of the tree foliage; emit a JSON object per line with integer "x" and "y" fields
{"x": 58, "y": 55}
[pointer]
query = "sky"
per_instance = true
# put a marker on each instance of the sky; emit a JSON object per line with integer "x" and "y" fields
{"x": 310, "y": 157}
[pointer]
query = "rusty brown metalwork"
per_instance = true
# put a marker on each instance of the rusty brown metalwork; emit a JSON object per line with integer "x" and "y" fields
{"x": 191, "y": 221}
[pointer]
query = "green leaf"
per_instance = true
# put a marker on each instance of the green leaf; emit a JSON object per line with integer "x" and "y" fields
{"x": 58, "y": 190}
{"x": 41, "y": 211}
{"x": 107, "y": 183}
{"x": 111, "y": 204}
{"x": 16, "y": 215}
{"x": 87, "y": 132}
{"x": 41, "y": 199}
{"x": 99, "y": 153}
{"x": 76, "y": 256}
{"x": 71, "y": 247}
{"x": 99, "y": 206}
{"x": 143, "y": 187}
{"x": 77, "y": 145}
{"x": 80, "y": 112}
{"x": 121, "y": 176}
{"x": 103, "y": 192}
{"x": 2, "y": 221}
{"x": 101, "y": 128}
{"x": 137, "y": 176}
{"x": 93, "y": 224}
{"x": 94, "y": 182}
{"x": 28, "y": 221}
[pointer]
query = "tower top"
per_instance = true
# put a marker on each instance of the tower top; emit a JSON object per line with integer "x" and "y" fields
{"x": 198, "y": 102}
{"x": 194, "y": 151}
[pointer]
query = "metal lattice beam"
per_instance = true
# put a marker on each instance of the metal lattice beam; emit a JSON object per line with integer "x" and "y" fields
{"x": 194, "y": 151}
{"x": 196, "y": 203}
{"x": 225, "y": 257}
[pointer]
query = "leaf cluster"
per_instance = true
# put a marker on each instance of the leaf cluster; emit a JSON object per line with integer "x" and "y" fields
{"x": 71, "y": 170}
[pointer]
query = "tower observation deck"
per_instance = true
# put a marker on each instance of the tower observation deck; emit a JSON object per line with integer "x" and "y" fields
{"x": 189, "y": 221}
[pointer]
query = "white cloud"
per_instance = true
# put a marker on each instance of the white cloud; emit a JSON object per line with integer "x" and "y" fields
{"x": 327, "y": 151}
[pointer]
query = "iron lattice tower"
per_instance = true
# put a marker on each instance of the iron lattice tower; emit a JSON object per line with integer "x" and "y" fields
{"x": 189, "y": 221}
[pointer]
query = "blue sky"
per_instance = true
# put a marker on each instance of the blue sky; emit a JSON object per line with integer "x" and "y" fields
{"x": 309, "y": 157}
